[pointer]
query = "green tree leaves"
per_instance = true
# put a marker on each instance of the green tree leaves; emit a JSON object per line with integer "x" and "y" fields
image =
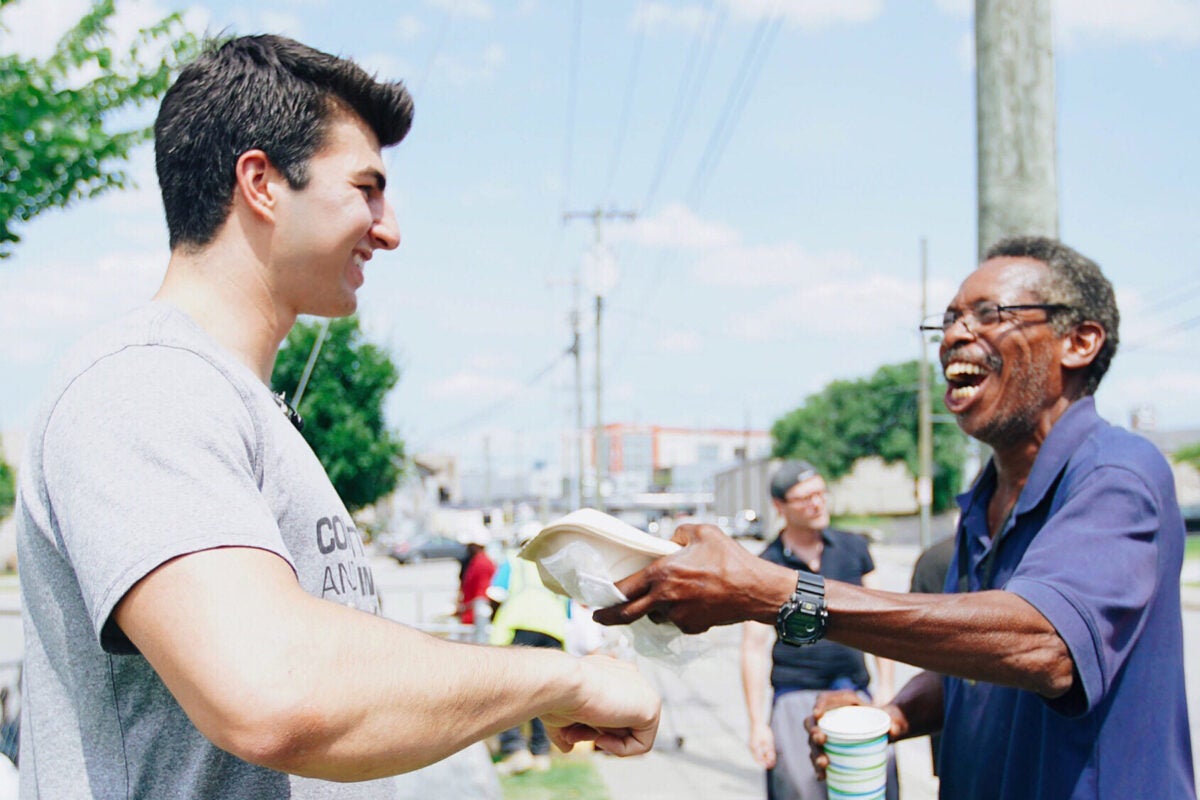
{"x": 56, "y": 139}
{"x": 875, "y": 416}
{"x": 8, "y": 488}
{"x": 342, "y": 407}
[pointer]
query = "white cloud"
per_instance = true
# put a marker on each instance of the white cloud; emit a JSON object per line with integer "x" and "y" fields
{"x": 873, "y": 305}
{"x": 783, "y": 264}
{"x": 1171, "y": 394}
{"x": 966, "y": 50}
{"x": 808, "y": 13}
{"x": 34, "y": 26}
{"x": 679, "y": 343}
{"x": 470, "y": 9}
{"x": 1120, "y": 20}
{"x": 459, "y": 72}
{"x": 1175, "y": 21}
{"x": 45, "y": 306}
{"x": 678, "y": 227}
{"x": 409, "y": 28}
{"x": 654, "y": 17}
{"x": 282, "y": 23}
{"x": 471, "y": 385}
{"x": 957, "y": 8}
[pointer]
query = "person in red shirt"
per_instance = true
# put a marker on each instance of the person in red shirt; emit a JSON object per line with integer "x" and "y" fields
{"x": 475, "y": 578}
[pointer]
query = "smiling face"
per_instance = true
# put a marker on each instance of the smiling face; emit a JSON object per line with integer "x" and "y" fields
{"x": 327, "y": 231}
{"x": 1004, "y": 380}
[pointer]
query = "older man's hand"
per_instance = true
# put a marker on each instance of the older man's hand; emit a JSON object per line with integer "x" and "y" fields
{"x": 712, "y": 580}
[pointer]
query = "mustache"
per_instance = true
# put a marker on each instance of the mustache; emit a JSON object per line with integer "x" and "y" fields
{"x": 992, "y": 361}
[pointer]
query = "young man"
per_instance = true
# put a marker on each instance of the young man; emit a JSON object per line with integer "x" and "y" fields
{"x": 1056, "y": 667}
{"x": 797, "y": 676}
{"x": 200, "y": 616}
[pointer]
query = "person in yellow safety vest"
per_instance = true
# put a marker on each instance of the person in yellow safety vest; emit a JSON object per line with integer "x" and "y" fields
{"x": 531, "y": 615}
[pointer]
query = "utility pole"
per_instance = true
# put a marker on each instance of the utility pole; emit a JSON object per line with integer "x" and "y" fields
{"x": 1015, "y": 120}
{"x": 600, "y": 287}
{"x": 925, "y": 422}
{"x": 487, "y": 471}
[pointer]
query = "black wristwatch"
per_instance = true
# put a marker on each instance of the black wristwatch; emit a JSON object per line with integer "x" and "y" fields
{"x": 801, "y": 619}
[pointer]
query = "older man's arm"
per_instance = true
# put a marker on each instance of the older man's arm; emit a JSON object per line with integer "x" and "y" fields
{"x": 992, "y": 636}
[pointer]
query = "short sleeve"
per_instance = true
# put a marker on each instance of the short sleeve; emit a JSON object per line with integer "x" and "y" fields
{"x": 1091, "y": 571}
{"x": 500, "y": 578}
{"x": 150, "y": 455}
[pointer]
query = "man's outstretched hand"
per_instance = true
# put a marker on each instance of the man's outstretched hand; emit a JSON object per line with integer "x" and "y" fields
{"x": 617, "y": 709}
{"x": 712, "y": 580}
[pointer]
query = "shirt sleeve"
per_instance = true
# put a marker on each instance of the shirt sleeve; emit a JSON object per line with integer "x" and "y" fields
{"x": 1091, "y": 571}
{"x": 149, "y": 456}
{"x": 500, "y": 578}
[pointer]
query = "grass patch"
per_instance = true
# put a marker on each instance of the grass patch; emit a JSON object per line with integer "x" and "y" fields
{"x": 569, "y": 778}
{"x": 1191, "y": 549}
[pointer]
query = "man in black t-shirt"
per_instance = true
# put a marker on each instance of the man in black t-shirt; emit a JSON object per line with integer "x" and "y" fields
{"x": 798, "y": 675}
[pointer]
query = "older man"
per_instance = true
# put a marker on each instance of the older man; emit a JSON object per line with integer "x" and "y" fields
{"x": 1055, "y": 665}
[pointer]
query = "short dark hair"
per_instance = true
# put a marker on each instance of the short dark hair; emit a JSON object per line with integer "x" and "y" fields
{"x": 1075, "y": 281}
{"x": 266, "y": 92}
{"x": 788, "y": 475}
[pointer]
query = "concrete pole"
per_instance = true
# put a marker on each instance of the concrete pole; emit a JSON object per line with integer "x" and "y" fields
{"x": 1015, "y": 118}
{"x": 602, "y": 456}
{"x": 925, "y": 422}
{"x": 597, "y": 216}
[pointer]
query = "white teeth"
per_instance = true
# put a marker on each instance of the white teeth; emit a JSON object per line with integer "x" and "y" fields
{"x": 957, "y": 369}
{"x": 963, "y": 392}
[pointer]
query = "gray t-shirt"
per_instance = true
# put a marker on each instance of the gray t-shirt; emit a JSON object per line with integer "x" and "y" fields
{"x": 152, "y": 443}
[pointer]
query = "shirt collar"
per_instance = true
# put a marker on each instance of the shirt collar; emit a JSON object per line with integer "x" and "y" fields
{"x": 1076, "y": 424}
{"x": 787, "y": 551}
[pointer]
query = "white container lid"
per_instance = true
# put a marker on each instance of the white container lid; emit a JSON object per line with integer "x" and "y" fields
{"x": 623, "y": 548}
{"x": 855, "y": 723}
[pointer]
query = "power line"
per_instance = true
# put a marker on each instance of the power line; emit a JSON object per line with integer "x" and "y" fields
{"x": 739, "y": 94}
{"x": 437, "y": 47}
{"x": 475, "y": 418}
{"x": 1178, "y": 327}
{"x": 623, "y": 124}
{"x": 572, "y": 90}
{"x": 694, "y": 72}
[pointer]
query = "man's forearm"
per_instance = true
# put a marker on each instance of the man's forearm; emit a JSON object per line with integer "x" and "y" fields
{"x": 298, "y": 684}
{"x": 921, "y": 705}
{"x": 991, "y": 636}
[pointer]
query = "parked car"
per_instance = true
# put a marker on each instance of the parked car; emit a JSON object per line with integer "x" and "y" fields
{"x": 747, "y": 525}
{"x": 425, "y": 547}
{"x": 1191, "y": 517}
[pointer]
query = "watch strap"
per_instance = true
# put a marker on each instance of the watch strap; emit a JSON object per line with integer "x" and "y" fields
{"x": 801, "y": 620}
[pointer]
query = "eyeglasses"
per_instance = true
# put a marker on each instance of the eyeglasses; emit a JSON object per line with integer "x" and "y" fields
{"x": 983, "y": 316}
{"x": 808, "y": 499}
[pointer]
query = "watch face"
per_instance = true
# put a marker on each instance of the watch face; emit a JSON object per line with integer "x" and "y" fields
{"x": 802, "y": 621}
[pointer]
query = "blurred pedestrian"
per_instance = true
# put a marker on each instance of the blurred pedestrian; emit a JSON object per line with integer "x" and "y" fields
{"x": 473, "y": 608}
{"x": 798, "y": 675}
{"x": 929, "y": 577}
{"x": 527, "y": 615}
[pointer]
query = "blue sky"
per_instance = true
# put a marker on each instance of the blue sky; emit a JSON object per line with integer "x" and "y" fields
{"x": 781, "y": 196}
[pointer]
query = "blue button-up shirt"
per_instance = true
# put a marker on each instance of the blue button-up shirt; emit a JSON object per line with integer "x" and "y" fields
{"x": 1095, "y": 543}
